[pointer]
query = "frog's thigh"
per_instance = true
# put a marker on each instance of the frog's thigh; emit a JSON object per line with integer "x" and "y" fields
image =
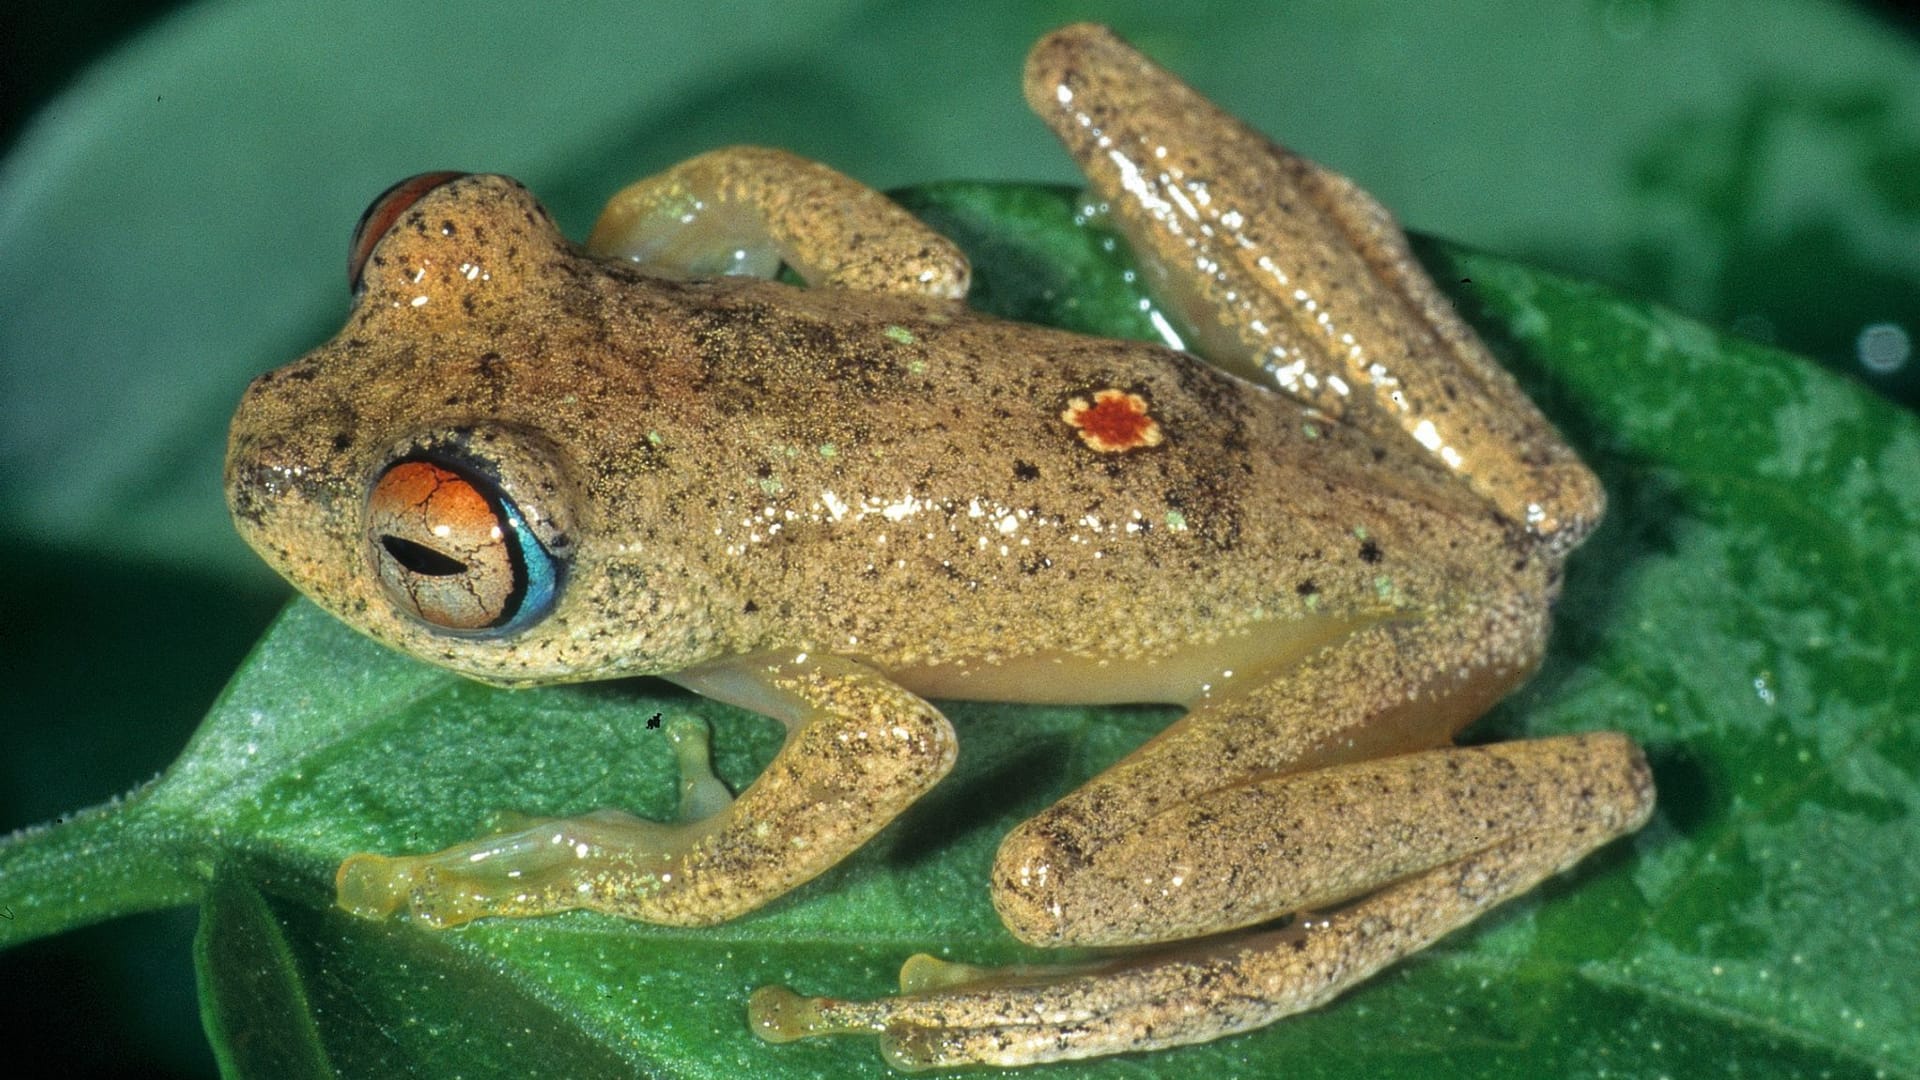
{"x": 1303, "y": 793}
{"x": 1248, "y": 853}
{"x": 747, "y": 209}
{"x": 859, "y": 750}
{"x": 1387, "y": 689}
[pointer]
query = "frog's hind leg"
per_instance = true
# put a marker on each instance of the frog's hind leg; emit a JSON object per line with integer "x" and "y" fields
{"x": 748, "y": 209}
{"x": 1289, "y": 275}
{"x": 1186, "y": 995}
{"x": 1329, "y": 792}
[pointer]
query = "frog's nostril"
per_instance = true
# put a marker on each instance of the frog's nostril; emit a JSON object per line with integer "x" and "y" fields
{"x": 420, "y": 558}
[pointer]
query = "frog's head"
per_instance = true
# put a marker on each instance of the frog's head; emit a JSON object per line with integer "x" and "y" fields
{"x": 413, "y": 474}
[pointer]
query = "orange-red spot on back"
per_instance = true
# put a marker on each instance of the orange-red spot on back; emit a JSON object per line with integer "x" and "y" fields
{"x": 1114, "y": 421}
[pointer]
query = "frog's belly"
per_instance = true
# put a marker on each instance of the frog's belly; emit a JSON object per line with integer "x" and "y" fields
{"x": 1182, "y": 677}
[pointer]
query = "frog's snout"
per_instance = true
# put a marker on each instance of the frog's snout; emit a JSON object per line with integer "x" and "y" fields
{"x": 286, "y": 489}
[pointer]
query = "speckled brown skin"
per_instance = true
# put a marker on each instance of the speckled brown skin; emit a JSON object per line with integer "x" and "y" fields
{"x": 823, "y": 504}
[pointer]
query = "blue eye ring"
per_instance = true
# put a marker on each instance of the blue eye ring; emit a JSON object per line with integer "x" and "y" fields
{"x": 537, "y": 570}
{"x": 456, "y": 552}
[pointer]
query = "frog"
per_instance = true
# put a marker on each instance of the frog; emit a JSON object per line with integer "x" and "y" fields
{"x": 1323, "y": 520}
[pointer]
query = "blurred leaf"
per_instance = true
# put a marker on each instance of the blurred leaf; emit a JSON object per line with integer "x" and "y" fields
{"x": 1745, "y": 612}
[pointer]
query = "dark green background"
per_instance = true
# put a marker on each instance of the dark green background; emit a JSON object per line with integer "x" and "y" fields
{"x": 173, "y": 214}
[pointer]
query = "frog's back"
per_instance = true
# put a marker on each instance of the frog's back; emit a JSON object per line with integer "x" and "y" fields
{"x": 922, "y": 486}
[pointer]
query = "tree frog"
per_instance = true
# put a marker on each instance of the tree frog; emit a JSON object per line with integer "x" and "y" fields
{"x": 1333, "y": 532}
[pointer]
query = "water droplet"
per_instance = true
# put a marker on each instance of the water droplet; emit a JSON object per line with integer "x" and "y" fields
{"x": 1883, "y": 347}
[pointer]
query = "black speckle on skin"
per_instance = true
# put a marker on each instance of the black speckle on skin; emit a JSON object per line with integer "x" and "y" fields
{"x": 749, "y": 608}
{"x": 246, "y": 508}
{"x": 1026, "y": 470}
{"x": 341, "y": 442}
{"x": 1369, "y": 552}
{"x": 1306, "y": 588}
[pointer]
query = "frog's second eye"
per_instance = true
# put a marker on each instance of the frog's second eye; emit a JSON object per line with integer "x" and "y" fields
{"x": 381, "y": 213}
{"x": 452, "y": 549}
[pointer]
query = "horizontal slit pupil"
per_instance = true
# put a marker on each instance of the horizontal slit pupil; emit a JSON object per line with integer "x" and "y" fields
{"x": 420, "y": 558}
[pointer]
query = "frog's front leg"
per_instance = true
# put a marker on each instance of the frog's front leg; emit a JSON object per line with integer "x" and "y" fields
{"x": 859, "y": 750}
{"x": 747, "y": 209}
{"x": 1328, "y": 792}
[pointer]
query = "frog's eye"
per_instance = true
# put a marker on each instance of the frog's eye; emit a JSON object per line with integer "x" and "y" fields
{"x": 381, "y": 213}
{"x": 455, "y": 550}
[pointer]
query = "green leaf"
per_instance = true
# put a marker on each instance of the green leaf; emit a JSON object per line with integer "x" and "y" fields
{"x": 1745, "y": 612}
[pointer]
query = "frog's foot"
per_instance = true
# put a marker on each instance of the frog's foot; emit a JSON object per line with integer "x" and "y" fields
{"x": 534, "y": 866}
{"x": 778, "y": 1015}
